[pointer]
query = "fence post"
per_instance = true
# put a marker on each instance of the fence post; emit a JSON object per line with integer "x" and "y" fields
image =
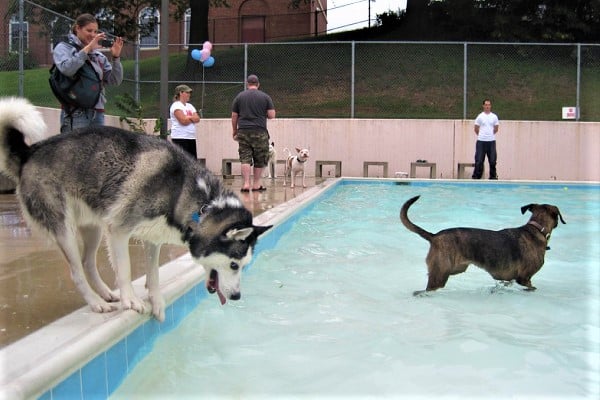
{"x": 352, "y": 62}
{"x": 245, "y": 64}
{"x": 21, "y": 48}
{"x": 577, "y": 90}
{"x": 465, "y": 58}
{"x": 164, "y": 71}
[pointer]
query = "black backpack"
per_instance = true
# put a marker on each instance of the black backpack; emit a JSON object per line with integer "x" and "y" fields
{"x": 80, "y": 91}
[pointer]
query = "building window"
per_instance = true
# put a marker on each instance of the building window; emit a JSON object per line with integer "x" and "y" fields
{"x": 14, "y": 28}
{"x": 187, "y": 17}
{"x": 149, "y": 28}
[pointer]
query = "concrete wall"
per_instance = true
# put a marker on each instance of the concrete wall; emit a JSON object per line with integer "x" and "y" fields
{"x": 527, "y": 150}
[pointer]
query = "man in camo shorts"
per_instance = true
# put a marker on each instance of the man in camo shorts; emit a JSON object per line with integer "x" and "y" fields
{"x": 249, "y": 113}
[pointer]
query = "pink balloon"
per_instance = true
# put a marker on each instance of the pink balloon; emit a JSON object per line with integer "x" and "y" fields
{"x": 204, "y": 54}
{"x": 207, "y": 45}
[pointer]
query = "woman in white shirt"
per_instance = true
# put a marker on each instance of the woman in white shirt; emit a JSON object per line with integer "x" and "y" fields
{"x": 183, "y": 119}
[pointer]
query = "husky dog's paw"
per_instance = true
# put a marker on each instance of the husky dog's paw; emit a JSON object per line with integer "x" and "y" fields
{"x": 133, "y": 303}
{"x": 110, "y": 296}
{"x": 158, "y": 307}
{"x": 103, "y": 307}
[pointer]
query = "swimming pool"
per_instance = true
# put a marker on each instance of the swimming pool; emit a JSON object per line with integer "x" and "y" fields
{"x": 328, "y": 307}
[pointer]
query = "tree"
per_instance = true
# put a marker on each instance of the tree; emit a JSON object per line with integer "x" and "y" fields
{"x": 117, "y": 17}
{"x": 504, "y": 20}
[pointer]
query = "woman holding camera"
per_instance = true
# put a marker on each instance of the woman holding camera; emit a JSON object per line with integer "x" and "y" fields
{"x": 83, "y": 44}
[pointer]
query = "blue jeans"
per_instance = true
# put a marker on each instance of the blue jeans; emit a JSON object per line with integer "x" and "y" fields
{"x": 483, "y": 149}
{"x": 80, "y": 119}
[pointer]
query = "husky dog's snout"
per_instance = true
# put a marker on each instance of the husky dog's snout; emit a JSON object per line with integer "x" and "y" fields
{"x": 213, "y": 286}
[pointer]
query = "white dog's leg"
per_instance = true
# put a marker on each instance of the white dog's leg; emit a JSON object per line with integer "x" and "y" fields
{"x": 118, "y": 249}
{"x": 303, "y": 178}
{"x": 70, "y": 249}
{"x": 292, "y": 176}
{"x": 92, "y": 235}
{"x": 157, "y": 300}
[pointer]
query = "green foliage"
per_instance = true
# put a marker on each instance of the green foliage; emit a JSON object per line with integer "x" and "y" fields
{"x": 503, "y": 20}
{"x": 134, "y": 114}
{"x": 390, "y": 19}
{"x": 117, "y": 17}
{"x": 10, "y": 61}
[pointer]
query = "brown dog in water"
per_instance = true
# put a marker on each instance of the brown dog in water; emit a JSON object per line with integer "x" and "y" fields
{"x": 508, "y": 254}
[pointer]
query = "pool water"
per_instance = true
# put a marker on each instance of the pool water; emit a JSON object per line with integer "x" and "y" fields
{"x": 329, "y": 311}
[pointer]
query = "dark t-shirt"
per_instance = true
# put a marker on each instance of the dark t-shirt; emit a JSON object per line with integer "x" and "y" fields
{"x": 251, "y": 106}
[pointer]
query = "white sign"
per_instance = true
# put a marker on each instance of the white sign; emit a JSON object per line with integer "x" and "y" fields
{"x": 569, "y": 112}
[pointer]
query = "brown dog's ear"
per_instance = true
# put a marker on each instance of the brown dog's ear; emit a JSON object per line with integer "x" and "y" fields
{"x": 560, "y": 216}
{"x": 528, "y": 207}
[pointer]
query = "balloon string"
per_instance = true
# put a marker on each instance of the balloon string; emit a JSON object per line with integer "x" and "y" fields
{"x": 203, "y": 83}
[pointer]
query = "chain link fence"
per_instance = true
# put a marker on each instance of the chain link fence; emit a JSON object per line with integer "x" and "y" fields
{"x": 441, "y": 80}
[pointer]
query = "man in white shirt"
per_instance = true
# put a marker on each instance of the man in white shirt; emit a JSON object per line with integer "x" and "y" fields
{"x": 486, "y": 127}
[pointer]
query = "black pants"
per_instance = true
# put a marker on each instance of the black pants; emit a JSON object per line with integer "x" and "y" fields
{"x": 188, "y": 145}
{"x": 483, "y": 149}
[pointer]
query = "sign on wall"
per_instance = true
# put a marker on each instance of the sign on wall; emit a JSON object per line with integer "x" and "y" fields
{"x": 569, "y": 113}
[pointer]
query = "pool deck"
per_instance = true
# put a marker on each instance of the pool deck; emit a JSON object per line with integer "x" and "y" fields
{"x": 45, "y": 326}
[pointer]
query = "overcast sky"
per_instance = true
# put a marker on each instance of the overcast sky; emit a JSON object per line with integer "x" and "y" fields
{"x": 343, "y": 15}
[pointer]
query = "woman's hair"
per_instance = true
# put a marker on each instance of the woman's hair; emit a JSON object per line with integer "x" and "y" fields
{"x": 83, "y": 20}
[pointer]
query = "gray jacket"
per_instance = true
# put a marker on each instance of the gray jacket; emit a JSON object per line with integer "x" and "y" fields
{"x": 68, "y": 61}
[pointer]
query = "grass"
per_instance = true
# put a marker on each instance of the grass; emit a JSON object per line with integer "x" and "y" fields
{"x": 392, "y": 80}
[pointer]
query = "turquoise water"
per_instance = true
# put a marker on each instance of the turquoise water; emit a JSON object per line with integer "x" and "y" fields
{"x": 329, "y": 312}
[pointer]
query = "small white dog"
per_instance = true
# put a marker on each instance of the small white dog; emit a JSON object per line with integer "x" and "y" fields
{"x": 271, "y": 162}
{"x": 294, "y": 164}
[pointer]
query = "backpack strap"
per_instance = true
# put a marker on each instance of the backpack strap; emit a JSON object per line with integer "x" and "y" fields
{"x": 69, "y": 110}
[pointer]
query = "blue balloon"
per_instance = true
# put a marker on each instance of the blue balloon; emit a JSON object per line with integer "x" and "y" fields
{"x": 209, "y": 62}
{"x": 196, "y": 54}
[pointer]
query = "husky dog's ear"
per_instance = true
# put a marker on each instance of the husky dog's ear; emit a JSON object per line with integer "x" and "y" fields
{"x": 528, "y": 207}
{"x": 238, "y": 234}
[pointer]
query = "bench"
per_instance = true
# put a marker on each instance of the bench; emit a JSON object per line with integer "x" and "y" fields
{"x": 461, "y": 169}
{"x": 226, "y": 165}
{"x": 319, "y": 168}
{"x": 383, "y": 164}
{"x": 432, "y": 169}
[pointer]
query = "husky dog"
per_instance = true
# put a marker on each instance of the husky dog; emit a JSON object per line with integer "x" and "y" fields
{"x": 107, "y": 180}
{"x": 508, "y": 254}
{"x": 295, "y": 165}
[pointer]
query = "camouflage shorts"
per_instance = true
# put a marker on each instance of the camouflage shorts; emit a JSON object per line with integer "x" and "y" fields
{"x": 253, "y": 147}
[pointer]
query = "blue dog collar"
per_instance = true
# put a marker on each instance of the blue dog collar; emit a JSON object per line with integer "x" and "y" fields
{"x": 196, "y": 217}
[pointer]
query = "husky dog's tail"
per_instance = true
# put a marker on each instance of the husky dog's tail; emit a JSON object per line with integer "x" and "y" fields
{"x": 409, "y": 225}
{"x": 21, "y": 125}
{"x": 287, "y": 152}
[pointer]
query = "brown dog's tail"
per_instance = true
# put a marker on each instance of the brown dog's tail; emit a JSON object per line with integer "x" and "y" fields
{"x": 409, "y": 225}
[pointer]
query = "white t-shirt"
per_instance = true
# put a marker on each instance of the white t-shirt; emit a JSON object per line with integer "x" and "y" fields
{"x": 179, "y": 131}
{"x": 486, "y": 123}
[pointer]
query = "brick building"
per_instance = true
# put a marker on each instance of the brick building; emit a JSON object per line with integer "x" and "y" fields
{"x": 246, "y": 21}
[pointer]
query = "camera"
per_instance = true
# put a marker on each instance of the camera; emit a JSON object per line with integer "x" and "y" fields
{"x": 106, "y": 43}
